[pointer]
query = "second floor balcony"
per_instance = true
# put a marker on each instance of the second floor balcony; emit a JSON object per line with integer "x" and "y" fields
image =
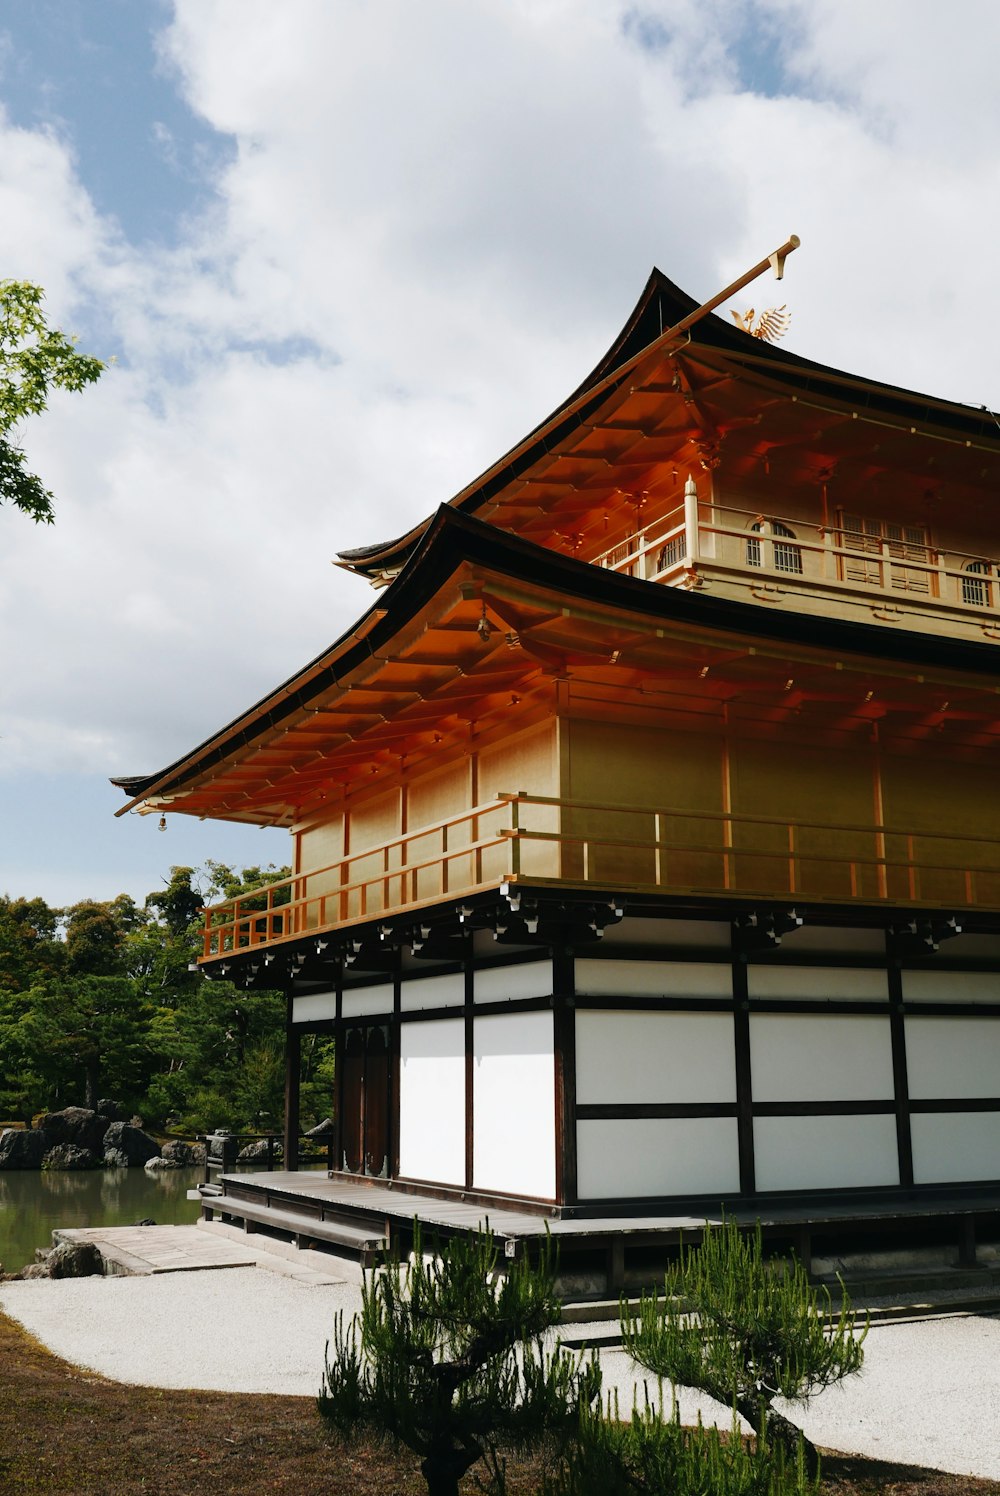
{"x": 850, "y": 565}
{"x": 541, "y": 842}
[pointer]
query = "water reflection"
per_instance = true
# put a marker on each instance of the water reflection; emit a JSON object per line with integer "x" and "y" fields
{"x": 32, "y": 1204}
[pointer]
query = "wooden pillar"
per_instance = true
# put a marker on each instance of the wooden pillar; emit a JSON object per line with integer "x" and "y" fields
{"x": 900, "y": 1079}
{"x": 338, "y": 1076}
{"x": 292, "y": 1073}
{"x": 691, "y": 538}
{"x": 469, "y": 1014}
{"x": 744, "y": 1094}
{"x": 564, "y": 1059}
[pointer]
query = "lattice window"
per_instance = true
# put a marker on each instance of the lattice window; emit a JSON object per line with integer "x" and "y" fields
{"x": 671, "y": 554}
{"x": 784, "y": 557}
{"x": 976, "y": 590}
{"x": 621, "y": 557}
{"x": 893, "y": 545}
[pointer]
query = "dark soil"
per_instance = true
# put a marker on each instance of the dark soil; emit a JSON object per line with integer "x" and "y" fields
{"x": 66, "y": 1432}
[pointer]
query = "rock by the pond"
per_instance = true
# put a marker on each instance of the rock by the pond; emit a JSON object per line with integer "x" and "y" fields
{"x": 75, "y": 1124}
{"x": 255, "y": 1153}
{"x": 158, "y": 1164}
{"x": 22, "y": 1148}
{"x": 34, "y": 1270}
{"x": 322, "y": 1129}
{"x": 74, "y": 1259}
{"x": 127, "y": 1147}
{"x": 187, "y": 1154}
{"x": 146, "y": 1221}
{"x": 70, "y": 1156}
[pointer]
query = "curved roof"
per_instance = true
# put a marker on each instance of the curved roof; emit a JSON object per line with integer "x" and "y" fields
{"x": 715, "y": 344}
{"x": 418, "y": 659}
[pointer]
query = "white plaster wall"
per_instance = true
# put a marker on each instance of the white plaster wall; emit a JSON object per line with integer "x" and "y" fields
{"x": 653, "y": 979}
{"x": 513, "y": 1088}
{"x": 446, "y": 990}
{"x": 820, "y": 982}
{"x": 624, "y": 1057}
{"x": 358, "y": 1002}
{"x": 802, "y": 1057}
{"x": 432, "y": 1100}
{"x": 626, "y": 1157}
{"x": 952, "y": 1057}
{"x": 965, "y": 1145}
{"x": 313, "y": 1006}
{"x": 503, "y": 983}
{"x": 798, "y": 1153}
{"x": 951, "y": 986}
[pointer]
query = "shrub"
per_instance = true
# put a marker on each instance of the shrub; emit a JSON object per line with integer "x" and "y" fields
{"x": 447, "y": 1360}
{"x": 654, "y": 1456}
{"x": 746, "y": 1332}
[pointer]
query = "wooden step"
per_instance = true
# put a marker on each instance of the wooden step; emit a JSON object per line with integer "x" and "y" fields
{"x": 366, "y": 1241}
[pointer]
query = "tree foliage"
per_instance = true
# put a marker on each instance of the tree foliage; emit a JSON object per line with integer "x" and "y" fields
{"x": 652, "y": 1454}
{"x": 99, "y": 1000}
{"x": 34, "y": 359}
{"x": 745, "y": 1332}
{"x": 447, "y": 1360}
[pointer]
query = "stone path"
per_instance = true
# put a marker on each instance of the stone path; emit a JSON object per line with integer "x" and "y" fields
{"x": 139, "y": 1251}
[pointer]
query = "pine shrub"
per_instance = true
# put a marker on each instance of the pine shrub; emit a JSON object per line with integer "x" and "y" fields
{"x": 447, "y": 1360}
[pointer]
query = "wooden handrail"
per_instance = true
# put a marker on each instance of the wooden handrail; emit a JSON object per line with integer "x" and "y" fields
{"x": 232, "y": 927}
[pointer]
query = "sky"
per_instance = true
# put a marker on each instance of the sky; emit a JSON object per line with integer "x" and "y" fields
{"x": 345, "y": 253}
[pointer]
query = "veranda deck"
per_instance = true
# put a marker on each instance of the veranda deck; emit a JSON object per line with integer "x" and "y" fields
{"x": 360, "y": 1217}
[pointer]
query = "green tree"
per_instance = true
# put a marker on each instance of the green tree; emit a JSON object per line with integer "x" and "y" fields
{"x": 68, "y": 1040}
{"x": 28, "y": 944}
{"x": 746, "y": 1332}
{"x": 447, "y": 1360}
{"x": 34, "y": 359}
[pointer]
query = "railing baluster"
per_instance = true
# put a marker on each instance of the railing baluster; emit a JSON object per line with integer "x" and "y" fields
{"x": 911, "y": 870}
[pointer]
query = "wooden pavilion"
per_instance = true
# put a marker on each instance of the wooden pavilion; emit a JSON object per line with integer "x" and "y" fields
{"x": 645, "y": 828}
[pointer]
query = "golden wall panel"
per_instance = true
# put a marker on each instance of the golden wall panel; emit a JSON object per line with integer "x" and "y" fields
{"x": 526, "y": 762}
{"x": 653, "y": 771}
{"x": 788, "y": 783}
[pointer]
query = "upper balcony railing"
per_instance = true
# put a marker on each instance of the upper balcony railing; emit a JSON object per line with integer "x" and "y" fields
{"x": 544, "y": 842}
{"x": 790, "y": 553}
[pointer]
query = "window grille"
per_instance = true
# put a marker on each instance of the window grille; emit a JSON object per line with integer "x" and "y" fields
{"x": 976, "y": 590}
{"x": 621, "y": 557}
{"x": 889, "y": 542}
{"x": 785, "y": 557}
{"x": 671, "y": 554}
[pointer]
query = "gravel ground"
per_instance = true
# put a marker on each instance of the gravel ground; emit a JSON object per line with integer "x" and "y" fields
{"x": 929, "y": 1393}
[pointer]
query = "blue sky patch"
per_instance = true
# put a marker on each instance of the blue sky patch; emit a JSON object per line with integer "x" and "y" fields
{"x": 90, "y": 71}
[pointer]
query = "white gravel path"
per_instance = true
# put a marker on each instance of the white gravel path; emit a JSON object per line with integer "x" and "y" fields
{"x": 929, "y": 1393}
{"x": 237, "y": 1330}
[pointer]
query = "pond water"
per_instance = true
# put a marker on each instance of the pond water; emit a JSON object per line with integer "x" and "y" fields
{"x": 33, "y": 1203}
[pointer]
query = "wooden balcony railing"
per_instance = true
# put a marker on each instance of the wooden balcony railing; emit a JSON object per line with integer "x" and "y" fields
{"x": 817, "y": 556}
{"x": 546, "y": 842}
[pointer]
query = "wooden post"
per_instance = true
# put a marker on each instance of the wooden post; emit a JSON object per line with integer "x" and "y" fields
{"x": 691, "y": 544}
{"x": 967, "y": 1241}
{"x": 292, "y": 1067}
